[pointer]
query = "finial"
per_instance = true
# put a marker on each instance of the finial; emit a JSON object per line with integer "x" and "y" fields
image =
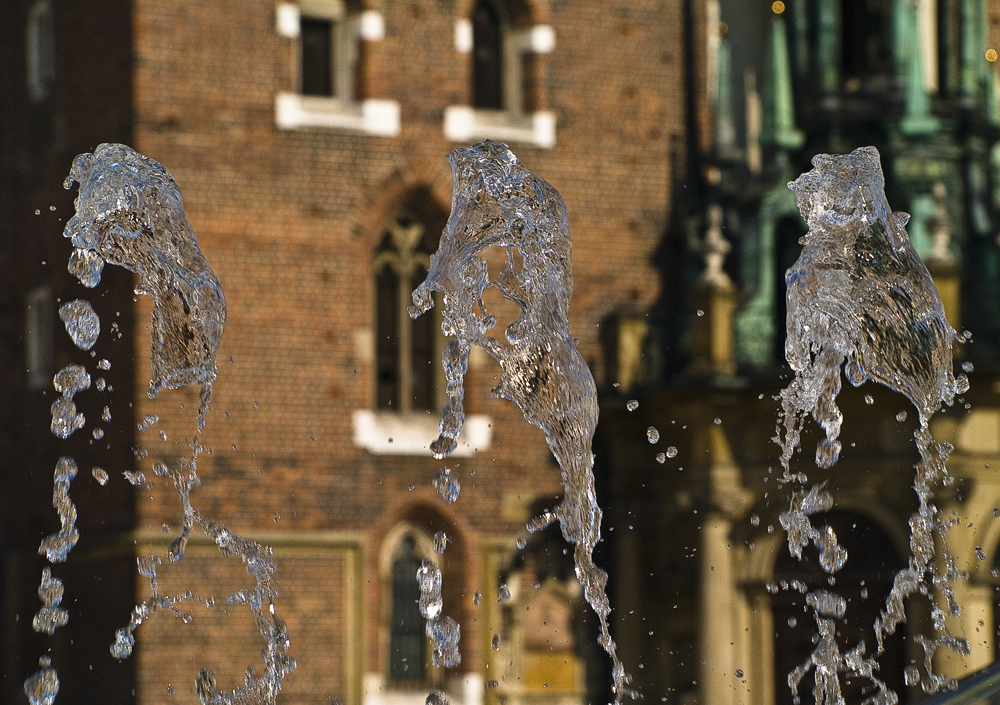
{"x": 714, "y": 249}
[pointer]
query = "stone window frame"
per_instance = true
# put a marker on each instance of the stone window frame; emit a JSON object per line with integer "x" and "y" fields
{"x": 40, "y": 52}
{"x": 522, "y": 120}
{"x": 347, "y": 109}
{"x": 379, "y": 688}
{"x": 403, "y": 430}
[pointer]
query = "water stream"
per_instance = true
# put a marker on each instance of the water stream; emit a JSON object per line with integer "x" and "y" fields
{"x": 129, "y": 212}
{"x": 861, "y": 300}
{"x": 496, "y": 202}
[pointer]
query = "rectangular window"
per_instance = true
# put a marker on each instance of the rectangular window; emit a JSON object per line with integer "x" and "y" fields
{"x": 318, "y": 69}
{"x": 39, "y": 314}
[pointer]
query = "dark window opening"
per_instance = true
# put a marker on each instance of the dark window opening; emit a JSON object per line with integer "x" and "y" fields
{"x": 317, "y": 56}
{"x": 422, "y": 374}
{"x": 387, "y": 334}
{"x": 407, "y": 352}
{"x": 406, "y": 631}
{"x": 866, "y": 32}
{"x": 487, "y": 57}
{"x": 864, "y": 581}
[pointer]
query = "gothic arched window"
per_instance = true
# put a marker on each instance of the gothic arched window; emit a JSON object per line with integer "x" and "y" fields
{"x": 487, "y": 57}
{"x": 407, "y": 643}
{"x": 405, "y": 356}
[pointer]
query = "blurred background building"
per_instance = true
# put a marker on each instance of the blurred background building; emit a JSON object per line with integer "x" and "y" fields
{"x": 309, "y": 141}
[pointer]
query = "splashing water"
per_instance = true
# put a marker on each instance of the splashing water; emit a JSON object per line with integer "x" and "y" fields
{"x": 42, "y": 686}
{"x": 859, "y": 298}
{"x": 56, "y": 547}
{"x": 444, "y": 632}
{"x": 51, "y": 616}
{"x": 82, "y": 323}
{"x": 129, "y": 212}
{"x": 496, "y": 202}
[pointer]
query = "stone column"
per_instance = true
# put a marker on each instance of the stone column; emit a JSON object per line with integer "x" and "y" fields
{"x": 727, "y": 501}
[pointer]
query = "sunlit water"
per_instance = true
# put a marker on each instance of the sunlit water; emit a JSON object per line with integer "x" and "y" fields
{"x": 860, "y": 299}
{"x": 129, "y": 212}
{"x": 496, "y": 202}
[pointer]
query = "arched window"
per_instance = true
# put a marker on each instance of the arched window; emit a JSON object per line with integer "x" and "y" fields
{"x": 405, "y": 354}
{"x": 407, "y": 642}
{"x": 487, "y": 57}
{"x": 864, "y": 581}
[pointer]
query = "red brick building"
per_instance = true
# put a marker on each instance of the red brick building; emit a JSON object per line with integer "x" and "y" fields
{"x": 309, "y": 141}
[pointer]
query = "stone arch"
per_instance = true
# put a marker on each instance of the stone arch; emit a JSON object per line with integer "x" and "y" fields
{"x": 864, "y": 581}
{"x": 421, "y": 520}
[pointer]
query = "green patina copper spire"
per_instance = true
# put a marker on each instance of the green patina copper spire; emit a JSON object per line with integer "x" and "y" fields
{"x": 917, "y": 120}
{"x": 974, "y": 25}
{"x": 828, "y": 42}
{"x": 779, "y": 106}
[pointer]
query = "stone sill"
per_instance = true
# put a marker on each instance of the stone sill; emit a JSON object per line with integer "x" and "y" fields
{"x": 390, "y": 433}
{"x": 374, "y": 117}
{"x": 464, "y": 124}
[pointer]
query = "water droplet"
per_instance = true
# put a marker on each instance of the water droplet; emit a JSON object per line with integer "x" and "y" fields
{"x": 81, "y": 322}
{"x": 739, "y": 672}
{"x": 492, "y": 685}
{"x": 477, "y": 598}
{"x": 65, "y": 419}
{"x": 792, "y": 622}
{"x": 495, "y": 644}
{"x": 106, "y": 414}
{"x": 901, "y": 416}
{"x": 980, "y": 553}
{"x": 86, "y": 266}
{"x": 440, "y": 542}
{"x": 661, "y": 458}
{"x": 632, "y": 405}
{"x": 671, "y": 452}
{"x": 146, "y": 421}
{"x": 97, "y": 433}
{"x": 911, "y": 676}
{"x": 754, "y": 520}
{"x": 99, "y": 474}
{"x": 122, "y": 648}
{"x": 503, "y": 593}
{"x": 718, "y": 421}
{"x": 652, "y": 435}
{"x": 869, "y": 400}
{"x": 100, "y": 383}
{"x": 700, "y": 313}
{"x": 521, "y": 543}
{"x": 134, "y": 478}
{"x": 447, "y": 485}
{"x": 70, "y": 380}
{"x": 104, "y": 364}
{"x": 42, "y": 686}
{"x": 163, "y": 435}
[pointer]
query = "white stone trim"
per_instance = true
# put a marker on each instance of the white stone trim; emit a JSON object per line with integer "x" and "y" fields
{"x": 287, "y": 20}
{"x": 463, "y": 36}
{"x": 542, "y": 39}
{"x": 390, "y": 433}
{"x": 465, "y": 689}
{"x": 372, "y": 26}
{"x": 372, "y": 116}
{"x": 463, "y": 123}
